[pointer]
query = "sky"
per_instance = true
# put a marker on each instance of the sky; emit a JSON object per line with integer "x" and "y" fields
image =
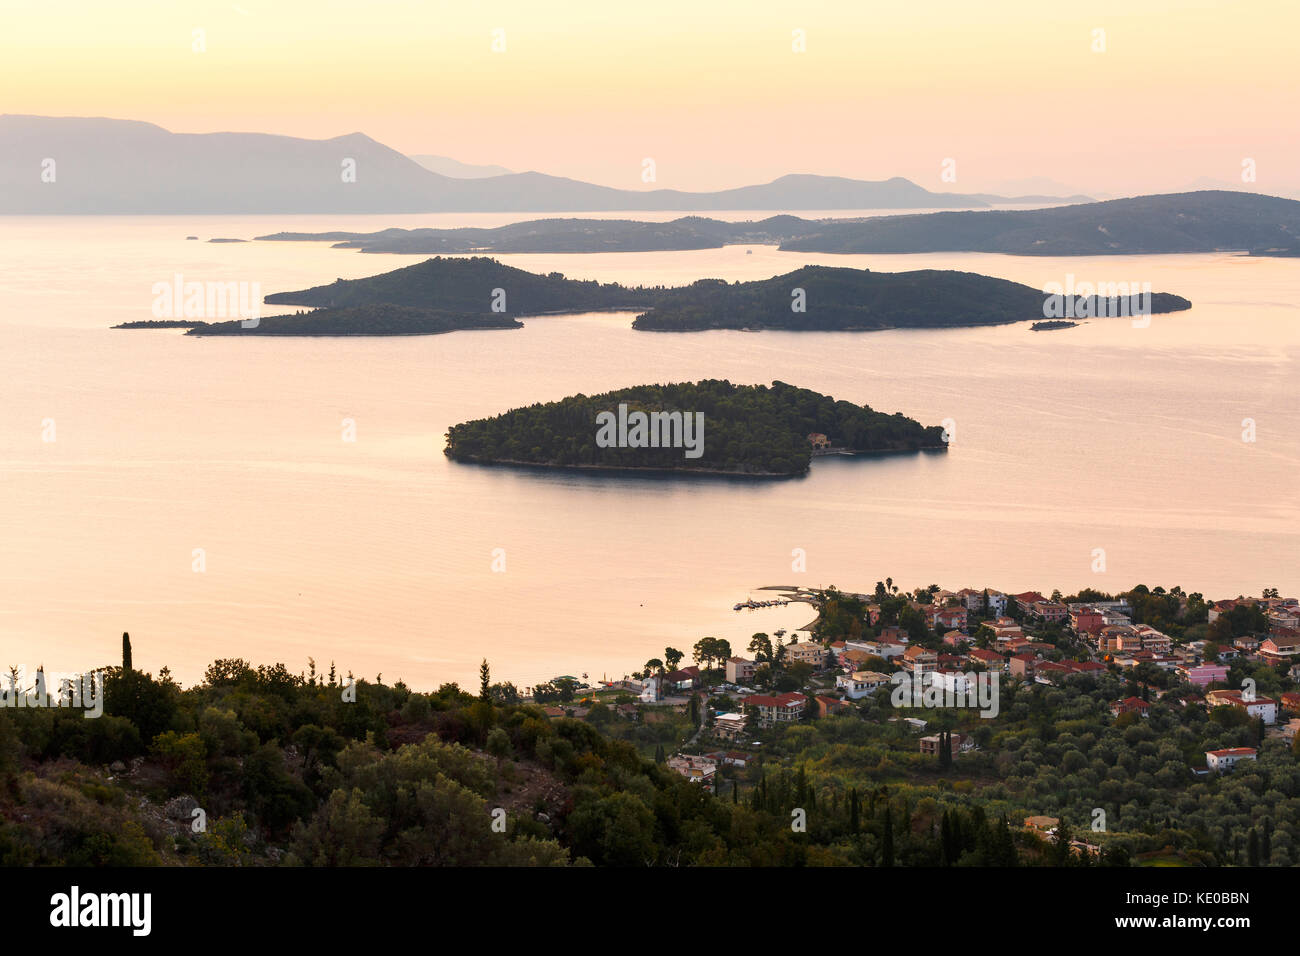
{"x": 718, "y": 94}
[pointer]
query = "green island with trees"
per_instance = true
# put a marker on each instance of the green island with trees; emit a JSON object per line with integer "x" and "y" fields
{"x": 376, "y": 319}
{"x": 812, "y": 298}
{"x": 748, "y": 430}
{"x": 828, "y": 298}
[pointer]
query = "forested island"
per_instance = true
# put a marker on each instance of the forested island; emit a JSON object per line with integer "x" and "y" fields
{"x": 566, "y": 236}
{"x": 814, "y": 298}
{"x": 1205, "y": 221}
{"x": 378, "y": 319}
{"x": 826, "y": 298}
{"x": 475, "y": 284}
{"x": 747, "y": 430}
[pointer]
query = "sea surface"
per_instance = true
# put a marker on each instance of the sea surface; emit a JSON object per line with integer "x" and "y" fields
{"x": 199, "y": 492}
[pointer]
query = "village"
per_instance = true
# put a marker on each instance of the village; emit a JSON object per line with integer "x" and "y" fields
{"x": 951, "y": 643}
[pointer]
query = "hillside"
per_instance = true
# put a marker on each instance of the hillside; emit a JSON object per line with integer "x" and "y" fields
{"x": 469, "y": 285}
{"x": 1174, "y": 223}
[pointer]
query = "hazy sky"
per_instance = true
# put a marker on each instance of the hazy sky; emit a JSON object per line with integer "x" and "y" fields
{"x": 714, "y": 92}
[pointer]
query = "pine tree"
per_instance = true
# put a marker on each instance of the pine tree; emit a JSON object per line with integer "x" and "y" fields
{"x": 484, "y": 681}
{"x": 126, "y": 651}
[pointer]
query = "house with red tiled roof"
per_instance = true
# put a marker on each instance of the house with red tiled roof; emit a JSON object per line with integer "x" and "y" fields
{"x": 1051, "y": 669}
{"x": 895, "y": 634}
{"x": 1130, "y": 704}
{"x": 777, "y": 709}
{"x": 1276, "y": 649}
{"x": 1086, "y": 667}
{"x": 918, "y": 660}
{"x": 990, "y": 659}
{"x": 1261, "y": 707}
{"x": 1221, "y": 760}
{"x": 740, "y": 670}
{"x": 954, "y": 618}
{"x": 829, "y": 706}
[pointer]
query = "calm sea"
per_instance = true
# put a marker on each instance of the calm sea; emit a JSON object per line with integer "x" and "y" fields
{"x": 1101, "y": 444}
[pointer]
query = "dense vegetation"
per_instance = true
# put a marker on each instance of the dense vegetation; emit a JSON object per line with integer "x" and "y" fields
{"x": 748, "y": 429}
{"x": 854, "y": 300}
{"x": 287, "y": 770}
{"x": 567, "y": 235}
{"x": 378, "y": 319}
{"x": 1178, "y": 222}
{"x": 831, "y": 298}
{"x": 1054, "y": 751}
{"x": 468, "y": 285}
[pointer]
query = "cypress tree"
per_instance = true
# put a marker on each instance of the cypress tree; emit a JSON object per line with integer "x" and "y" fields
{"x": 126, "y": 651}
{"x": 483, "y": 681}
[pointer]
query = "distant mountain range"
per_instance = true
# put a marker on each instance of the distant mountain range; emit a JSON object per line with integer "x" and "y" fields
{"x": 70, "y": 165}
{"x": 1177, "y": 222}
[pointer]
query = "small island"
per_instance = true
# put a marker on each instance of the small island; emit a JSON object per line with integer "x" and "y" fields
{"x": 368, "y": 320}
{"x": 1051, "y": 324}
{"x": 707, "y": 427}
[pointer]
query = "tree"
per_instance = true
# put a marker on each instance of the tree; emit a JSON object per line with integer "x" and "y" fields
{"x": 673, "y": 656}
{"x": 498, "y": 745}
{"x": 1060, "y": 854}
{"x": 126, "y": 651}
{"x": 484, "y": 681}
{"x": 760, "y": 645}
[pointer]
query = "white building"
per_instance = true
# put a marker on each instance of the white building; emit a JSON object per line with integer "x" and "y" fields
{"x": 1221, "y": 760}
{"x": 860, "y": 684}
